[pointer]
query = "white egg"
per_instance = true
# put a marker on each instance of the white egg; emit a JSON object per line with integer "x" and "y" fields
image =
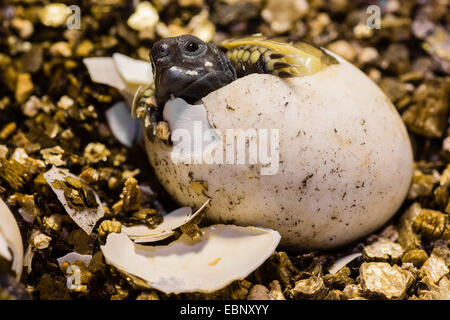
{"x": 345, "y": 158}
{"x": 11, "y": 248}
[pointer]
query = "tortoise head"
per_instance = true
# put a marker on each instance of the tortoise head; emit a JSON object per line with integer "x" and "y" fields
{"x": 188, "y": 68}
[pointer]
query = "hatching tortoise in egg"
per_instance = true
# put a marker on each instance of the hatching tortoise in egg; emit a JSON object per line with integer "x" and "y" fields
{"x": 188, "y": 68}
{"x": 339, "y": 167}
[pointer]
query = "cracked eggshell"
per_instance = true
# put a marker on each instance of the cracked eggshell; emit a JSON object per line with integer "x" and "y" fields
{"x": 121, "y": 72}
{"x": 87, "y": 218}
{"x": 11, "y": 247}
{"x": 345, "y": 158}
{"x": 172, "y": 221}
{"x": 73, "y": 257}
{"x": 342, "y": 262}
{"x": 134, "y": 72}
{"x": 126, "y": 129}
{"x": 224, "y": 253}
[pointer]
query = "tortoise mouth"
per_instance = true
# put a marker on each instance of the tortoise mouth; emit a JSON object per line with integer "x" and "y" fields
{"x": 177, "y": 76}
{"x": 176, "y": 81}
{"x": 189, "y": 84}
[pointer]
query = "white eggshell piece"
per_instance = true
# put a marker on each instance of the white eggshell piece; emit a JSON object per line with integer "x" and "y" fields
{"x": 133, "y": 71}
{"x": 186, "y": 118}
{"x": 103, "y": 70}
{"x": 121, "y": 72}
{"x": 172, "y": 221}
{"x": 85, "y": 219}
{"x": 122, "y": 125}
{"x": 342, "y": 262}
{"x": 11, "y": 247}
{"x": 345, "y": 158}
{"x": 74, "y": 257}
{"x": 4, "y": 249}
{"x": 224, "y": 253}
{"x": 28, "y": 258}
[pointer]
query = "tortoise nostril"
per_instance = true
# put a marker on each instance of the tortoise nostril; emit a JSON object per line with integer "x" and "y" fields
{"x": 160, "y": 50}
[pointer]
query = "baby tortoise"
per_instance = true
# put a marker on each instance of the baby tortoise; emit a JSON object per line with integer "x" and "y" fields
{"x": 188, "y": 68}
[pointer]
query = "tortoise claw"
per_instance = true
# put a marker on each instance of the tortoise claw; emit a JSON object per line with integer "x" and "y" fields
{"x": 152, "y": 119}
{"x": 285, "y": 74}
{"x": 142, "y": 100}
{"x": 281, "y": 65}
{"x": 134, "y": 105}
{"x": 276, "y": 56}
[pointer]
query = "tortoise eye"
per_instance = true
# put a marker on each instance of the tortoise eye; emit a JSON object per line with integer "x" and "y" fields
{"x": 192, "y": 47}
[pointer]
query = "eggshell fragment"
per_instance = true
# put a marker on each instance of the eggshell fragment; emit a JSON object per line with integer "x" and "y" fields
{"x": 86, "y": 218}
{"x": 224, "y": 253}
{"x": 4, "y": 249}
{"x": 172, "y": 221}
{"x": 126, "y": 129}
{"x": 103, "y": 70}
{"x": 74, "y": 257}
{"x": 121, "y": 72}
{"x": 183, "y": 117}
{"x": 127, "y": 75}
{"x": 342, "y": 262}
{"x": 133, "y": 71}
{"x": 11, "y": 247}
{"x": 345, "y": 158}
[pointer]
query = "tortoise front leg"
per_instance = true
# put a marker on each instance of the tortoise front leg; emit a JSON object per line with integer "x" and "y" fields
{"x": 145, "y": 108}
